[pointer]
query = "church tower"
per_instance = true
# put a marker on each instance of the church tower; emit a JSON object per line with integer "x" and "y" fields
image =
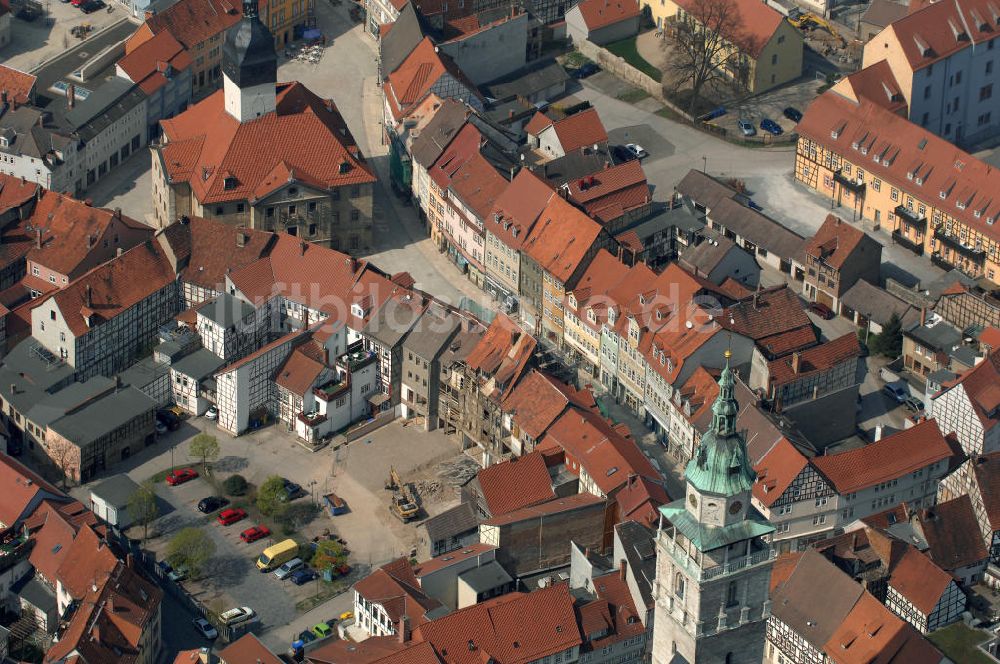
{"x": 249, "y": 67}
{"x": 713, "y": 565}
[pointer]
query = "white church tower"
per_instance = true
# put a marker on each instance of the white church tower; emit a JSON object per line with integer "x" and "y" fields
{"x": 249, "y": 67}
{"x": 713, "y": 565}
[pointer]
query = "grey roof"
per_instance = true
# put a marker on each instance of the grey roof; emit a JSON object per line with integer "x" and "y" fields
{"x": 226, "y": 310}
{"x": 53, "y": 406}
{"x": 509, "y": 110}
{"x": 455, "y": 521}
{"x": 144, "y": 372}
{"x": 35, "y": 593}
{"x": 406, "y": 33}
{"x": 33, "y": 372}
{"x": 116, "y": 490}
{"x": 393, "y": 321}
{"x": 708, "y": 538}
{"x": 640, "y": 553}
{"x": 439, "y": 132}
{"x": 574, "y": 165}
{"x": 198, "y": 364}
{"x": 107, "y": 414}
{"x": 940, "y": 336}
{"x": 756, "y": 227}
{"x": 883, "y": 12}
{"x": 30, "y": 136}
{"x": 105, "y": 106}
{"x": 542, "y": 76}
{"x": 936, "y": 286}
{"x": 706, "y": 256}
{"x": 795, "y": 601}
{"x": 704, "y": 189}
{"x": 874, "y": 303}
{"x": 486, "y": 577}
{"x": 462, "y": 344}
{"x": 431, "y": 335}
{"x": 682, "y": 217}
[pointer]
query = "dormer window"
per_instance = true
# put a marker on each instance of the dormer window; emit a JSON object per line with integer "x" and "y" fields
{"x": 357, "y": 310}
{"x": 591, "y": 316}
{"x": 230, "y": 182}
{"x": 572, "y": 300}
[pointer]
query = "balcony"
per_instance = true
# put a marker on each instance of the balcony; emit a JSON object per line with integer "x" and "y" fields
{"x": 976, "y": 256}
{"x": 902, "y": 241}
{"x": 698, "y": 572}
{"x": 852, "y": 185}
{"x": 911, "y": 218}
{"x": 311, "y": 419}
{"x": 332, "y": 389}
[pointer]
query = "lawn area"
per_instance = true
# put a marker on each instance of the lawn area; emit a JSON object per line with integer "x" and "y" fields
{"x": 633, "y": 95}
{"x": 626, "y": 49}
{"x": 959, "y": 642}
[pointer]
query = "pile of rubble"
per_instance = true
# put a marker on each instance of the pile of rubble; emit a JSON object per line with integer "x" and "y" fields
{"x": 457, "y": 471}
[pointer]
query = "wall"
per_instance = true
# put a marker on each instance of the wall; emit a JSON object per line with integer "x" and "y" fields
{"x": 493, "y": 52}
{"x": 784, "y": 50}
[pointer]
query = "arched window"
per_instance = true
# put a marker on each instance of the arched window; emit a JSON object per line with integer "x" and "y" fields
{"x": 729, "y": 658}
{"x": 679, "y": 585}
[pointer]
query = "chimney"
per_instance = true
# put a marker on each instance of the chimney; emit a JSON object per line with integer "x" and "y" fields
{"x": 148, "y": 15}
{"x": 403, "y": 631}
{"x": 88, "y": 298}
{"x": 923, "y": 316}
{"x": 510, "y": 113}
{"x": 90, "y": 242}
{"x": 38, "y": 238}
{"x": 241, "y": 239}
{"x": 13, "y": 388}
{"x": 796, "y": 360}
{"x": 326, "y": 356}
{"x": 878, "y": 433}
{"x": 119, "y": 252}
{"x": 118, "y": 213}
{"x": 622, "y": 568}
{"x": 71, "y": 95}
{"x": 302, "y": 248}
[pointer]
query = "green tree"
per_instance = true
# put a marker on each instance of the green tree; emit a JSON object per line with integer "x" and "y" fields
{"x": 270, "y": 495}
{"x": 191, "y": 548}
{"x": 235, "y": 485}
{"x": 142, "y": 508}
{"x": 204, "y": 447}
{"x": 329, "y": 554}
{"x": 888, "y": 342}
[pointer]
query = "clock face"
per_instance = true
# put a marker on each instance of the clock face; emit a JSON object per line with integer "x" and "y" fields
{"x": 693, "y": 499}
{"x": 735, "y": 507}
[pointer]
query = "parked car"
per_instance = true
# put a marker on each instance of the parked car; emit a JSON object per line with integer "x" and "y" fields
{"x": 169, "y": 418}
{"x": 717, "y": 112}
{"x": 793, "y": 114}
{"x": 302, "y": 576}
{"x": 205, "y": 628}
{"x": 212, "y": 503}
{"x": 622, "y": 154}
{"x": 255, "y": 533}
{"x": 588, "y": 69}
{"x": 212, "y": 413}
{"x": 91, "y": 6}
{"x": 178, "y": 574}
{"x": 292, "y": 491}
{"x": 181, "y": 475}
{"x": 898, "y": 391}
{"x": 347, "y": 615}
{"x": 161, "y": 428}
{"x": 821, "y": 310}
{"x": 306, "y": 636}
{"x": 913, "y": 404}
{"x": 285, "y": 570}
{"x": 771, "y": 127}
{"x": 637, "y": 150}
{"x": 322, "y": 630}
{"x": 231, "y": 516}
{"x": 746, "y": 127}
{"x": 236, "y": 615}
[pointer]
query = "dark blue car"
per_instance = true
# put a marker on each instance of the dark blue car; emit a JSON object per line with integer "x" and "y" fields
{"x": 303, "y": 576}
{"x": 588, "y": 69}
{"x": 771, "y": 127}
{"x": 714, "y": 113}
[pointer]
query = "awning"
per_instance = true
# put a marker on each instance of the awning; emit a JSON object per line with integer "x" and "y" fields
{"x": 378, "y": 399}
{"x": 312, "y": 33}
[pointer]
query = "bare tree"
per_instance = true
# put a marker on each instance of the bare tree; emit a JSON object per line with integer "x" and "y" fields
{"x": 143, "y": 509}
{"x": 707, "y": 37}
{"x": 64, "y": 455}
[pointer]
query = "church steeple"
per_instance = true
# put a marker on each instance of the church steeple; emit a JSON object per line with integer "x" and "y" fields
{"x": 249, "y": 67}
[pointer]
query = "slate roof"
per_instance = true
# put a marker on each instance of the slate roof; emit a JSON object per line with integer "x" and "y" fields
{"x": 88, "y": 424}
{"x": 199, "y": 364}
{"x": 406, "y": 33}
{"x": 115, "y": 490}
{"x": 876, "y": 304}
{"x": 452, "y": 522}
{"x": 539, "y": 77}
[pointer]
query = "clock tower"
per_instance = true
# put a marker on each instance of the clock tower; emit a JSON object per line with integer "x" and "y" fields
{"x": 713, "y": 564}
{"x": 249, "y": 67}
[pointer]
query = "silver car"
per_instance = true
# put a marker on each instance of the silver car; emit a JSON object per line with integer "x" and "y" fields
{"x": 285, "y": 570}
{"x": 747, "y": 127}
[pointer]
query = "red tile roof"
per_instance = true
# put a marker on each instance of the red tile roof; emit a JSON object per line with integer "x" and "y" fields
{"x": 460, "y": 149}
{"x": 561, "y": 239}
{"x": 754, "y": 25}
{"x": 980, "y": 384}
{"x": 396, "y": 589}
{"x": 834, "y": 242}
{"x": 15, "y": 192}
{"x": 603, "y": 285}
{"x": 301, "y": 369}
{"x": 892, "y": 457}
{"x": 70, "y": 230}
{"x": 776, "y": 471}
{"x": 498, "y": 629}
{"x": 698, "y": 393}
{"x": 517, "y": 208}
{"x": 580, "y": 130}
{"x": 248, "y": 650}
{"x": 89, "y": 561}
{"x": 875, "y": 83}
{"x": 53, "y": 528}
{"x": 598, "y": 14}
{"x": 478, "y": 185}
{"x": 191, "y": 22}
{"x": 148, "y": 64}
{"x": 640, "y": 499}
{"x": 990, "y": 337}
{"x": 870, "y": 633}
{"x": 19, "y": 86}
{"x": 608, "y": 194}
{"x": 953, "y": 535}
{"x": 819, "y": 358}
{"x": 784, "y": 565}
{"x": 538, "y": 122}
{"x": 515, "y": 484}
{"x": 986, "y": 469}
{"x": 113, "y": 287}
{"x": 503, "y": 351}
{"x": 765, "y": 315}
{"x": 422, "y": 69}
{"x": 940, "y": 29}
{"x": 212, "y": 249}
{"x": 305, "y": 140}
{"x": 22, "y": 490}
{"x": 909, "y": 152}
{"x": 538, "y": 399}
{"x": 919, "y": 580}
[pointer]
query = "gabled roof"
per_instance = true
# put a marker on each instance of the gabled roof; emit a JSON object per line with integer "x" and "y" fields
{"x": 819, "y": 358}
{"x": 248, "y": 649}
{"x": 439, "y": 132}
{"x": 561, "y": 238}
{"x": 23, "y": 489}
{"x": 15, "y": 192}
{"x": 751, "y": 29}
{"x": 538, "y": 399}
{"x": 919, "y": 580}
{"x": 580, "y": 130}
{"x": 206, "y": 250}
{"x": 305, "y": 140}
{"x": 517, "y": 208}
{"x": 834, "y": 242}
{"x": 981, "y": 384}
{"x": 478, "y": 185}
{"x": 870, "y": 634}
{"x": 986, "y": 470}
{"x": 301, "y": 369}
{"x": 610, "y": 193}
{"x": 776, "y": 471}
{"x": 769, "y": 314}
{"x": 191, "y": 22}
{"x": 19, "y": 85}
{"x": 503, "y": 351}
{"x": 53, "y": 528}
{"x": 912, "y": 158}
{"x": 537, "y": 123}
{"x": 640, "y": 499}
{"x": 418, "y": 73}
{"x": 891, "y": 457}
{"x": 406, "y": 34}
{"x": 876, "y": 83}
{"x": 598, "y": 14}
{"x": 936, "y": 30}
{"x": 952, "y": 533}
{"x": 154, "y": 62}
{"x": 397, "y": 590}
{"x": 516, "y": 483}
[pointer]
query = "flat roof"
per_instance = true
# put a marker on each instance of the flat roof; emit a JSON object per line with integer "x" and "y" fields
{"x": 486, "y": 577}
{"x": 116, "y": 490}
{"x": 199, "y": 364}
{"x": 104, "y": 415}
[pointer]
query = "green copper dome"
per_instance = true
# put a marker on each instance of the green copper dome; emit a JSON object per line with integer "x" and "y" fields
{"x": 720, "y": 465}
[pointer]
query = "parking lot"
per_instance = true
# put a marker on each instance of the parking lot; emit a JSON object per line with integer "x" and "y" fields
{"x": 35, "y": 42}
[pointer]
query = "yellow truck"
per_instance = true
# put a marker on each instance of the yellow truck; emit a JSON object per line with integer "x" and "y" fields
{"x": 277, "y": 555}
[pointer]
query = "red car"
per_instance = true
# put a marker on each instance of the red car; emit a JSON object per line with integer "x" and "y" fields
{"x": 821, "y": 310}
{"x": 231, "y": 516}
{"x": 181, "y": 475}
{"x": 255, "y": 533}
